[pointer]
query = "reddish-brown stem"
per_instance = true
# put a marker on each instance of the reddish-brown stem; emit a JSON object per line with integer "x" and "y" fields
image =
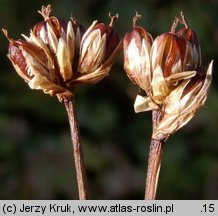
{"x": 154, "y": 164}
{"x": 154, "y": 160}
{"x": 77, "y": 148}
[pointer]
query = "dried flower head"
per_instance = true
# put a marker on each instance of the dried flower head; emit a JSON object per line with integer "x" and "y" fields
{"x": 169, "y": 70}
{"x": 59, "y": 55}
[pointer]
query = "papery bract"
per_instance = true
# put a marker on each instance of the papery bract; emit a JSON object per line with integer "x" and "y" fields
{"x": 183, "y": 102}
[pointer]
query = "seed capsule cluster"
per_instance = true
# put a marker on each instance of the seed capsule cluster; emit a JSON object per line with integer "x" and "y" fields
{"x": 59, "y": 55}
{"x": 169, "y": 70}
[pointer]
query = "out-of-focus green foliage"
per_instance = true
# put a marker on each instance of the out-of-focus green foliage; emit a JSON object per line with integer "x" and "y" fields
{"x": 35, "y": 148}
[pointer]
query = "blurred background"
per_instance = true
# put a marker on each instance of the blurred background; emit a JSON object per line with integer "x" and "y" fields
{"x": 35, "y": 148}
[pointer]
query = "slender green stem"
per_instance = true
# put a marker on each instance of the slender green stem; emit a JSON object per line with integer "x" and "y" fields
{"x": 77, "y": 148}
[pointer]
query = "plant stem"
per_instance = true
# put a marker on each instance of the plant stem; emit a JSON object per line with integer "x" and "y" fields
{"x": 154, "y": 164}
{"x": 154, "y": 160}
{"x": 77, "y": 148}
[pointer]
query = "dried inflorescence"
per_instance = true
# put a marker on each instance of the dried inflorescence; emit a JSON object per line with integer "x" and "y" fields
{"x": 58, "y": 56}
{"x": 169, "y": 70}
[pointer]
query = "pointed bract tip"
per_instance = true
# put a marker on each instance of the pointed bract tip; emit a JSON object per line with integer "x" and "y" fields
{"x": 6, "y": 35}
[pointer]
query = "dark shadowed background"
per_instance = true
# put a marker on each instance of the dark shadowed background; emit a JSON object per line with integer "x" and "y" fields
{"x": 35, "y": 148}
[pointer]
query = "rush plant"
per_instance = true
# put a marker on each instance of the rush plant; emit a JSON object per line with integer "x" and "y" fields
{"x": 58, "y": 56}
{"x": 169, "y": 70}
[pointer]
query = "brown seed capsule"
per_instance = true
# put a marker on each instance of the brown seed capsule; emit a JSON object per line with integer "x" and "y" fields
{"x": 168, "y": 52}
{"x": 100, "y": 46}
{"x": 168, "y": 64}
{"x": 191, "y": 37}
{"x": 17, "y": 54}
{"x": 174, "y": 57}
{"x": 18, "y": 60}
{"x": 136, "y": 45}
